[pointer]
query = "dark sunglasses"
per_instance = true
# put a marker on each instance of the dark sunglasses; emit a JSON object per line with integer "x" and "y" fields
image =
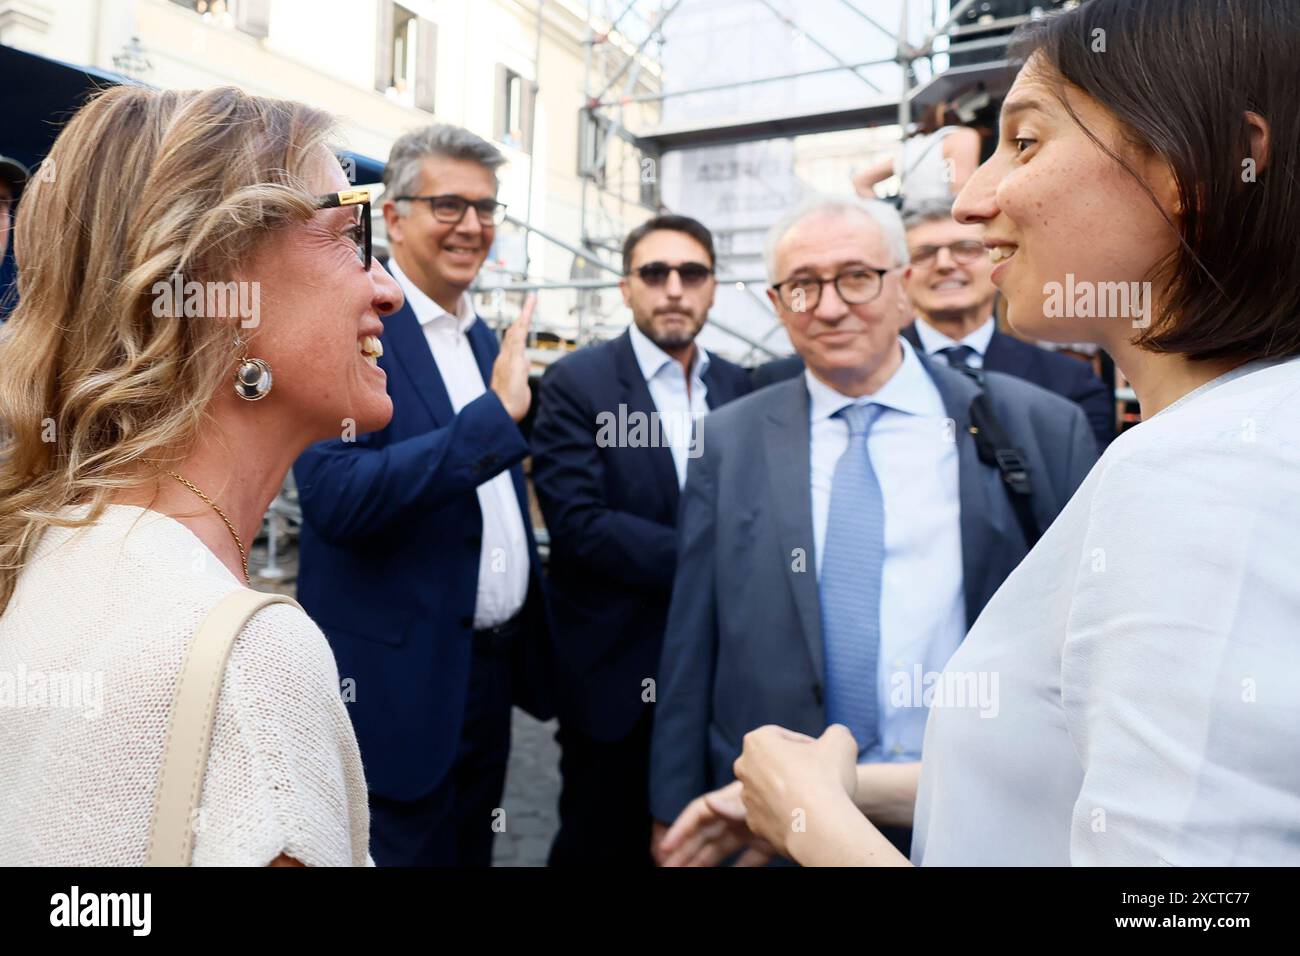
{"x": 362, "y": 230}
{"x": 692, "y": 274}
{"x": 451, "y": 208}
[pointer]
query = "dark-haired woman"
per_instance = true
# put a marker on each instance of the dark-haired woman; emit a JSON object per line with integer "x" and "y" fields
{"x": 1145, "y": 652}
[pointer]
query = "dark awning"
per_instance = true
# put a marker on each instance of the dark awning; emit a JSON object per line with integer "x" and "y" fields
{"x": 38, "y": 95}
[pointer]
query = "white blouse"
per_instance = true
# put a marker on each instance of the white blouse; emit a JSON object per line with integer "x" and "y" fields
{"x": 1145, "y": 656}
{"x": 91, "y": 647}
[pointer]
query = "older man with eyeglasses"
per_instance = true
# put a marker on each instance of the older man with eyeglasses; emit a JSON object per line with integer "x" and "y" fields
{"x": 842, "y": 529}
{"x": 417, "y": 555}
{"x": 949, "y": 283}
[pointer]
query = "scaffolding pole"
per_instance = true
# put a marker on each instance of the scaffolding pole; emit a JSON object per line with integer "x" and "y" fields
{"x": 604, "y": 76}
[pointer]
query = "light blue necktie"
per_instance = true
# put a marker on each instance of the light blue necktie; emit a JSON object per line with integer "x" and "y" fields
{"x": 850, "y": 583}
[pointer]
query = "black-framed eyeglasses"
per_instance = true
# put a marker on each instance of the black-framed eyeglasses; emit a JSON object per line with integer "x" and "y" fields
{"x": 855, "y": 286}
{"x": 451, "y": 208}
{"x": 692, "y": 274}
{"x": 964, "y": 251}
{"x": 362, "y": 229}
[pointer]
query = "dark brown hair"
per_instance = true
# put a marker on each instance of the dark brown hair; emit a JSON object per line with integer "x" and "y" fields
{"x": 692, "y": 227}
{"x": 1179, "y": 75}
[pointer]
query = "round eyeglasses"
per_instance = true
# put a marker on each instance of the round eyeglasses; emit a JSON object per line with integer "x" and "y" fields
{"x": 855, "y": 286}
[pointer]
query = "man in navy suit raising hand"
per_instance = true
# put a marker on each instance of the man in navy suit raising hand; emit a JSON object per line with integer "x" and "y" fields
{"x": 417, "y": 555}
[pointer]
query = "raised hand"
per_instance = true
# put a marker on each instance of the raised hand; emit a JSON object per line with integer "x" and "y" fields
{"x": 510, "y": 371}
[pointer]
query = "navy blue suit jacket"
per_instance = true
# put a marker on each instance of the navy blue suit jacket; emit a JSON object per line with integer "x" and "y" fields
{"x": 390, "y": 558}
{"x": 1057, "y": 373}
{"x": 611, "y": 513}
{"x": 743, "y": 645}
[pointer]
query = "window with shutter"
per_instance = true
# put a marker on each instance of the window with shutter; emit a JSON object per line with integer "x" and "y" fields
{"x": 254, "y": 17}
{"x": 426, "y": 65}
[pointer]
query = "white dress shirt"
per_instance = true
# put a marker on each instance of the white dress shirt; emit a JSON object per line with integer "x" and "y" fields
{"x": 922, "y": 604}
{"x": 1148, "y": 658}
{"x": 934, "y": 341}
{"x": 503, "y": 557}
{"x": 666, "y": 379}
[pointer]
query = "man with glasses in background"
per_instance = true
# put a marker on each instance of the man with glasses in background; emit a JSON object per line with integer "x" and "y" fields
{"x": 417, "y": 555}
{"x": 617, "y": 425}
{"x": 951, "y": 290}
{"x": 843, "y": 529}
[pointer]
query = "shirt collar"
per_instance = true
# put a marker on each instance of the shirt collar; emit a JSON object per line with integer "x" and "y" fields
{"x": 652, "y": 359}
{"x": 426, "y": 310}
{"x": 908, "y": 390}
{"x": 934, "y": 341}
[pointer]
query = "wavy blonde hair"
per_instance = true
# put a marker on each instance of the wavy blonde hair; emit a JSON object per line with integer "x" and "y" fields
{"x": 140, "y": 185}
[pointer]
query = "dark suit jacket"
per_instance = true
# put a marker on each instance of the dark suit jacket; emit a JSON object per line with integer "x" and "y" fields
{"x": 390, "y": 559}
{"x": 1050, "y": 370}
{"x": 743, "y": 645}
{"x": 611, "y": 514}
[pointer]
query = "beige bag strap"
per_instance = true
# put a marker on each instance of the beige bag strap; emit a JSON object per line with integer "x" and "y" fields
{"x": 185, "y": 752}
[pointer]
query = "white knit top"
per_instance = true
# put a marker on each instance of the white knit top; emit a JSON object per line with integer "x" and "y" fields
{"x": 91, "y": 647}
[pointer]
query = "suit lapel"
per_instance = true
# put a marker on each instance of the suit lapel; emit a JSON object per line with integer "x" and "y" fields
{"x": 483, "y": 343}
{"x": 999, "y": 357}
{"x": 788, "y": 449}
{"x": 717, "y": 391}
{"x": 978, "y": 486}
{"x": 403, "y": 330}
{"x": 636, "y": 395}
{"x": 909, "y": 332}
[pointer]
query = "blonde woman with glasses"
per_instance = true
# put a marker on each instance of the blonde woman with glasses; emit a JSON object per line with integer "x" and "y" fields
{"x": 198, "y": 305}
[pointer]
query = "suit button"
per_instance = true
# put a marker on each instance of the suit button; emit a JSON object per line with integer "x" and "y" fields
{"x": 817, "y": 693}
{"x": 466, "y": 622}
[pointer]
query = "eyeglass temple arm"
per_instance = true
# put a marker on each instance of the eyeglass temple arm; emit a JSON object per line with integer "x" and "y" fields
{"x": 348, "y": 197}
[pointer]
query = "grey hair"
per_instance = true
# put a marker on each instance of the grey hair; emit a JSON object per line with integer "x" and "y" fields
{"x": 882, "y": 214}
{"x": 935, "y": 209}
{"x": 402, "y": 172}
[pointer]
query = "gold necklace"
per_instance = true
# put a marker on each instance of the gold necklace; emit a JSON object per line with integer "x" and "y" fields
{"x": 234, "y": 534}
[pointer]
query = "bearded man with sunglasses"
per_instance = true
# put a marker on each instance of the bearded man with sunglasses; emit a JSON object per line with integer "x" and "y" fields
{"x": 617, "y": 425}
{"x": 417, "y": 555}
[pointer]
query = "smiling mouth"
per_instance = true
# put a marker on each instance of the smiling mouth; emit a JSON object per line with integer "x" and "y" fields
{"x": 1001, "y": 253}
{"x": 370, "y": 348}
{"x": 461, "y": 250}
{"x": 950, "y": 285}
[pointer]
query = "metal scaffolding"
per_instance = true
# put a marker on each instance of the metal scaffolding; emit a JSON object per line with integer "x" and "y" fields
{"x": 622, "y": 73}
